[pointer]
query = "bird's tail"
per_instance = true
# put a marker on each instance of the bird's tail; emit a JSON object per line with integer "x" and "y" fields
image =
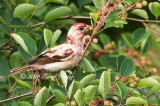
{"x": 19, "y": 70}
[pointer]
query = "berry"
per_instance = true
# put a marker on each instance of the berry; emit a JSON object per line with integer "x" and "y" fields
{"x": 137, "y": 79}
{"x": 123, "y": 79}
{"x": 144, "y": 3}
{"x": 94, "y": 101}
{"x": 99, "y": 11}
{"x": 73, "y": 103}
{"x": 97, "y": 54}
{"x": 106, "y": 103}
{"x": 117, "y": 78}
{"x": 133, "y": 75}
{"x": 100, "y": 101}
{"x": 95, "y": 40}
{"x": 138, "y": 5}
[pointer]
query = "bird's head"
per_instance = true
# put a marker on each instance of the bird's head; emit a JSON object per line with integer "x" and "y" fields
{"x": 77, "y": 31}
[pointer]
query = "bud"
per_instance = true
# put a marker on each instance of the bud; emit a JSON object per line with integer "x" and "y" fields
{"x": 138, "y": 5}
{"x": 117, "y": 78}
{"x": 99, "y": 11}
{"x": 95, "y": 40}
{"x": 94, "y": 101}
{"x": 73, "y": 103}
{"x": 133, "y": 75}
{"x": 144, "y": 3}
{"x": 137, "y": 79}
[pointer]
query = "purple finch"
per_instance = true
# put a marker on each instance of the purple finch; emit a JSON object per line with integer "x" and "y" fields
{"x": 64, "y": 56}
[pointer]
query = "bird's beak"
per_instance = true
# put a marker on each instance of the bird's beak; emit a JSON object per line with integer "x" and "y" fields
{"x": 88, "y": 28}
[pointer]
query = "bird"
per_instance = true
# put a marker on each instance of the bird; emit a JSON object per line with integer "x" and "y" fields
{"x": 61, "y": 57}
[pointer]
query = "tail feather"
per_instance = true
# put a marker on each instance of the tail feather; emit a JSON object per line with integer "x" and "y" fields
{"x": 19, "y": 70}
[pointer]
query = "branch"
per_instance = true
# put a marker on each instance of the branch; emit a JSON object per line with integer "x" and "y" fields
{"x": 17, "y": 97}
{"x": 139, "y": 20}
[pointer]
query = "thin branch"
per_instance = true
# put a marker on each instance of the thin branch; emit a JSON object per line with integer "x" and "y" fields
{"x": 139, "y": 20}
{"x": 4, "y": 45}
{"x": 17, "y": 97}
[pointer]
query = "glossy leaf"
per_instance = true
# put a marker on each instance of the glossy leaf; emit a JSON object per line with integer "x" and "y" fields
{"x": 154, "y": 7}
{"x": 86, "y": 65}
{"x": 79, "y": 97}
{"x": 55, "y": 36}
{"x": 99, "y": 4}
{"x": 56, "y": 13}
{"x": 23, "y": 103}
{"x": 127, "y": 67}
{"x": 122, "y": 89}
{"x": 26, "y": 42}
{"x": 154, "y": 89}
{"x": 23, "y": 10}
{"x": 59, "y": 95}
{"x": 47, "y": 36}
{"x": 104, "y": 84}
{"x": 64, "y": 78}
{"x": 119, "y": 61}
{"x": 73, "y": 88}
{"x": 139, "y": 35}
{"x": 146, "y": 82}
{"x": 23, "y": 83}
{"x": 17, "y": 23}
{"x": 136, "y": 101}
{"x": 60, "y": 104}
{"x": 16, "y": 60}
{"x": 4, "y": 66}
{"x": 41, "y": 97}
{"x": 89, "y": 93}
{"x": 94, "y": 16}
{"x": 133, "y": 92}
{"x": 141, "y": 13}
{"x": 56, "y": 1}
{"x": 86, "y": 79}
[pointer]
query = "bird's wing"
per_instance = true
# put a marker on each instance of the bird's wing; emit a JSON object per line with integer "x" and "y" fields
{"x": 56, "y": 54}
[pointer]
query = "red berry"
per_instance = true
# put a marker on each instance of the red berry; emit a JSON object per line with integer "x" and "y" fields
{"x": 123, "y": 79}
{"x": 100, "y": 101}
{"x": 97, "y": 54}
{"x": 106, "y": 103}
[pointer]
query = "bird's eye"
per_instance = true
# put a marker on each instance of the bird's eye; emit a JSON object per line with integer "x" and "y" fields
{"x": 81, "y": 28}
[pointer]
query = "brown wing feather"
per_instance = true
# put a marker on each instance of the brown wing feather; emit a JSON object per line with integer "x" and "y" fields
{"x": 44, "y": 59}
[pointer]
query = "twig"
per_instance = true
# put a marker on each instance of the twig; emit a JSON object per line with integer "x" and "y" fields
{"x": 4, "y": 45}
{"x": 138, "y": 20}
{"x": 17, "y": 97}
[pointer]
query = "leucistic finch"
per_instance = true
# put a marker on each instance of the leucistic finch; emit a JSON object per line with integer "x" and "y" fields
{"x": 64, "y": 56}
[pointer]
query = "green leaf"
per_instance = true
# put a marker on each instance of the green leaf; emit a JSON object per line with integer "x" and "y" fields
{"x": 141, "y": 13}
{"x": 127, "y": 67}
{"x": 122, "y": 89}
{"x": 87, "y": 67}
{"x": 154, "y": 7}
{"x": 55, "y": 36}
{"x": 4, "y": 66}
{"x": 136, "y": 101}
{"x": 17, "y": 23}
{"x": 146, "y": 82}
{"x": 59, "y": 95}
{"x": 139, "y": 36}
{"x": 73, "y": 88}
{"x": 99, "y": 4}
{"x": 94, "y": 16}
{"x": 23, "y": 10}
{"x": 56, "y": 1}
{"x": 47, "y": 36}
{"x": 26, "y": 42}
{"x": 128, "y": 40}
{"x": 41, "y": 97}
{"x": 86, "y": 79}
{"x": 23, "y": 103}
{"x": 119, "y": 61}
{"x": 89, "y": 93}
{"x": 16, "y": 60}
{"x": 105, "y": 83}
{"x": 91, "y": 8}
{"x": 79, "y": 97}
{"x": 154, "y": 89}
{"x": 64, "y": 78}
{"x": 56, "y": 13}
{"x": 104, "y": 39}
{"x": 133, "y": 92}
{"x": 23, "y": 83}
{"x": 60, "y": 104}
